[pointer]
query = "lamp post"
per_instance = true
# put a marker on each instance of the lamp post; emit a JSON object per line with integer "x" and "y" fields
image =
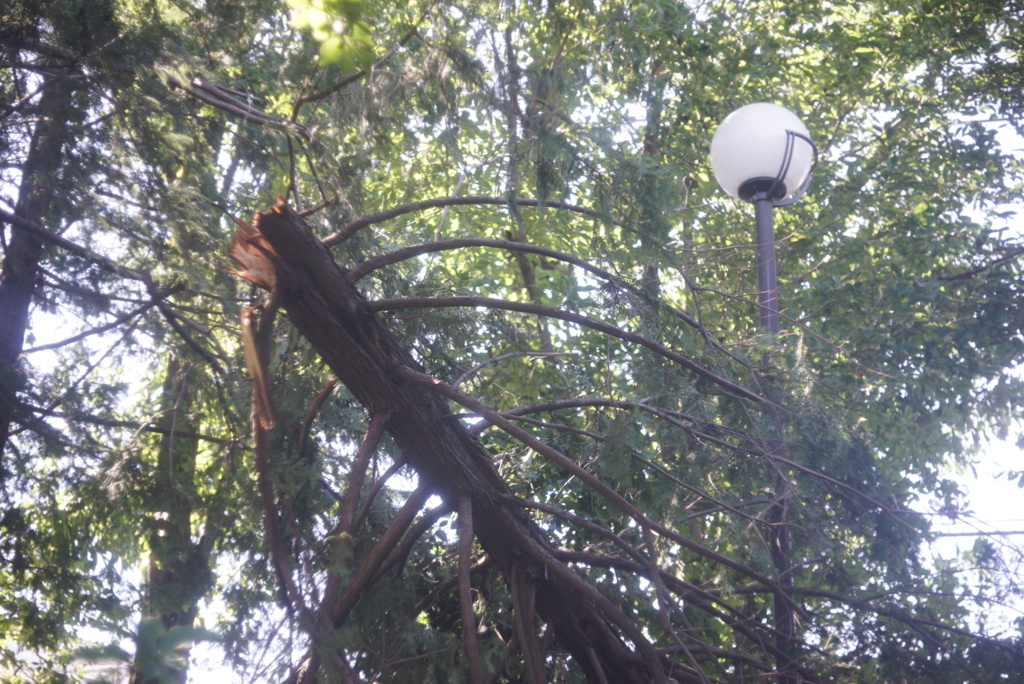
{"x": 763, "y": 154}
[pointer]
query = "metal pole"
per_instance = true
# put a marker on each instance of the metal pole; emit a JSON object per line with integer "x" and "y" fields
{"x": 767, "y": 281}
{"x": 768, "y": 316}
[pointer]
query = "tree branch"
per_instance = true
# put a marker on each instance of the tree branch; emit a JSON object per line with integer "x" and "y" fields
{"x": 123, "y": 318}
{"x": 669, "y": 417}
{"x": 352, "y": 78}
{"x": 355, "y": 226}
{"x": 401, "y": 552}
{"x": 357, "y": 473}
{"x": 313, "y": 412}
{"x": 395, "y": 256}
{"x": 367, "y": 357}
{"x": 476, "y": 675}
{"x": 538, "y": 310}
{"x": 501, "y": 357}
{"x": 370, "y": 565}
{"x": 224, "y": 99}
{"x": 130, "y": 424}
{"x": 587, "y": 477}
{"x": 45, "y": 235}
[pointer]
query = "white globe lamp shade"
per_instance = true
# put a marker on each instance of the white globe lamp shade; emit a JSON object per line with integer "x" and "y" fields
{"x": 762, "y": 148}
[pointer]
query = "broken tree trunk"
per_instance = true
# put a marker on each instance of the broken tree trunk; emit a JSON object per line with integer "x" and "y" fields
{"x": 326, "y": 307}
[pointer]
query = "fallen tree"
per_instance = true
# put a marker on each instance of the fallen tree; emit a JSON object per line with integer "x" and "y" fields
{"x": 325, "y": 305}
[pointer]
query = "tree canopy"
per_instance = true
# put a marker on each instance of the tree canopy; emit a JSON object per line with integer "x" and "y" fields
{"x": 489, "y": 401}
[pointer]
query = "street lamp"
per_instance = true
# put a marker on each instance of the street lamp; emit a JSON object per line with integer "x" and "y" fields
{"x": 762, "y": 153}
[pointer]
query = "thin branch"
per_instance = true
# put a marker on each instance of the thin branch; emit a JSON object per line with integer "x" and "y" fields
{"x": 894, "y": 614}
{"x": 375, "y": 489}
{"x": 610, "y": 610}
{"x": 221, "y": 98}
{"x": 539, "y": 310}
{"x": 462, "y": 378}
{"x": 668, "y": 416}
{"x": 348, "y": 80}
{"x": 311, "y": 165}
{"x": 289, "y": 593}
{"x": 557, "y": 426}
{"x": 441, "y": 587}
{"x": 412, "y": 251}
{"x": 314, "y": 411}
{"x": 293, "y": 187}
{"x": 364, "y": 578}
{"x": 673, "y": 417}
{"x": 195, "y": 325}
{"x": 378, "y": 423}
{"x": 668, "y": 606}
{"x": 350, "y": 499}
{"x": 401, "y": 553}
{"x": 980, "y": 533}
{"x": 52, "y": 50}
{"x": 950, "y": 653}
{"x": 355, "y": 226}
{"x": 595, "y": 664}
{"x": 524, "y": 616}
{"x": 75, "y": 382}
{"x": 690, "y": 594}
{"x": 967, "y": 275}
{"x": 106, "y": 326}
{"x": 169, "y": 316}
{"x": 12, "y": 108}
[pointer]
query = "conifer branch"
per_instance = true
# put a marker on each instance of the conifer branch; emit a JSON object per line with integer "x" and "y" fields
{"x": 79, "y": 417}
{"x": 378, "y": 485}
{"x": 501, "y": 357}
{"x": 123, "y": 318}
{"x": 674, "y": 417}
{"x": 351, "y": 78}
{"x": 400, "y": 555}
{"x": 288, "y": 592}
{"x": 45, "y": 235}
{"x": 346, "y": 525}
{"x": 599, "y": 402}
{"x": 440, "y": 588}
{"x": 190, "y": 341}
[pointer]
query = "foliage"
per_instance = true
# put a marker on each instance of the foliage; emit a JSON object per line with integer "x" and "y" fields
{"x": 550, "y": 161}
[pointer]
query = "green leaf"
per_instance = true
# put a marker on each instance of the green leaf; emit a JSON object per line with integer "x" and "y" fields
{"x": 335, "y": 49}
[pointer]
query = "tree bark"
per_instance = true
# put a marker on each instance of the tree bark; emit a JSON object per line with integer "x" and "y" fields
{"x": 333, "y": 315}
{"x": 20, "y": 274}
